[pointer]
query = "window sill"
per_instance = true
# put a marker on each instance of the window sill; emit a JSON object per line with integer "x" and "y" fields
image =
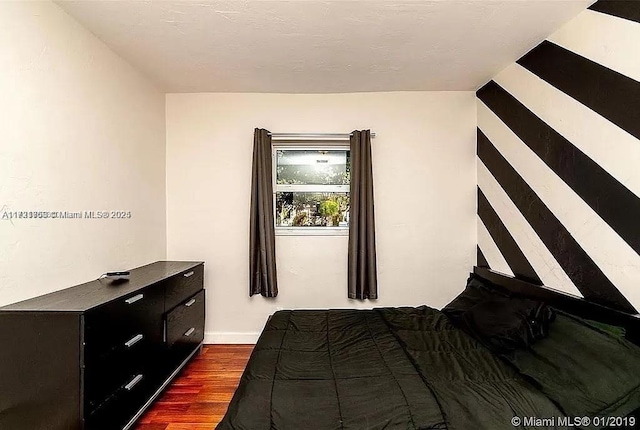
{"x": 312, "y": 231}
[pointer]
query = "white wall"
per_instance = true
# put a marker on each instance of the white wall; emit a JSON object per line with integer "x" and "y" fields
{"x": 425, "y": 193}
{"x": 79, "y": 130}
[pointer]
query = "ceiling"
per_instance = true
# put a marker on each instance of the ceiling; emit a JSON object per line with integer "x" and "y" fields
{"x": 310, "y": 46}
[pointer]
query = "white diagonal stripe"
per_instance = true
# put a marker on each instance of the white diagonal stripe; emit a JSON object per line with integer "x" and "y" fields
{"x": 617, "y": 151}
{"x": 605, "y": 39}
{"x": 491, "y": 252}
{"x": 545, "y": 265}
{"x": 617, "y": 260}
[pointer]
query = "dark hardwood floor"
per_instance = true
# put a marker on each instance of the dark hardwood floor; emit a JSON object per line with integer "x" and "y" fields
{"x": 198, "y": 397}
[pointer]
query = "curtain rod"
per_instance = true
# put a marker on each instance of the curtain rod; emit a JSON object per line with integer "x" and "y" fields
{"x": 314, "y": 135}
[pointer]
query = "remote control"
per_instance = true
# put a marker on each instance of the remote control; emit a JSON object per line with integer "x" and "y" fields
{"x": 110, "y": 274}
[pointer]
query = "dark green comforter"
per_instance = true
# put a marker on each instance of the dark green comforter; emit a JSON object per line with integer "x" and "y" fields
{"x": 396, "y": 368}
{"x": 586, "y": 369}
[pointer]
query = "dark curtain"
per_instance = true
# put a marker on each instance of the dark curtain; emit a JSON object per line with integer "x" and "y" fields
{"x": 362, "y": 238}
{"x": 262, "y": 245}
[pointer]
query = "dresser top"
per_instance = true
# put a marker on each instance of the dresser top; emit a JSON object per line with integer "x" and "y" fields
{"x": 89, "y": 295}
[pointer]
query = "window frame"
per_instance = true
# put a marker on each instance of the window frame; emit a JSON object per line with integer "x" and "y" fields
{"x": 306, "y": 231}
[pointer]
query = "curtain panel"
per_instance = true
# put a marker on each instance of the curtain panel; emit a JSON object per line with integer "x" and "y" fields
{"x": 362, "y": 275}
{"x": 262, "y": 245}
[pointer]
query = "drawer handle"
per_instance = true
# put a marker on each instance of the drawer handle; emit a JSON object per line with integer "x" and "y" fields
{"x": 190, "y": 303}
{"x": 133, "y": 383}
{"x": 186, "y": 275}
{"x": 134, "y": 299}
{"x": 190, "y": 332}
{"x": 133, "y": 340}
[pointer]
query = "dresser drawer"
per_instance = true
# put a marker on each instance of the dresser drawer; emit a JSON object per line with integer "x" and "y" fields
{"x": 123, "y": 404}
{"x": 182, "y": 286}
{"x": 109, "y": 328}
{"x": 185, "y": 323}
{"x": 104, "y": 376}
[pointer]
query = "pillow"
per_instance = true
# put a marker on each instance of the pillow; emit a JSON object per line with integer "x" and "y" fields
{"x": 477, "y": 291}
{"x": 506, "y": 324}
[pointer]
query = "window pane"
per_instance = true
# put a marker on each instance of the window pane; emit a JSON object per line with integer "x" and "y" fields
{"x": 312, "y": 167}
{"x": 295, "y": 209}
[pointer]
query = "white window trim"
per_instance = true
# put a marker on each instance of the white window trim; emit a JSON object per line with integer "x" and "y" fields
{"x": 312, "y": 231}
{"x": 306, "y": 231}
{"x": 311, "y": 188}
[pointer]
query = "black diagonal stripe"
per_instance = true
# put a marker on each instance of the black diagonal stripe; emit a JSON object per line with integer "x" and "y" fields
{"x": 612, "y": 201}
{"x": 480, "y": 260}
{"x": 609, "y": 93}
{"x": 627, "y": 9}
{"x": 507, "y": 245}
{"x": 580, "y": 268}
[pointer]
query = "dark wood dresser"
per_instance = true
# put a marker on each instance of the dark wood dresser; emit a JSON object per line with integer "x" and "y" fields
{"x": 96, "y": 355}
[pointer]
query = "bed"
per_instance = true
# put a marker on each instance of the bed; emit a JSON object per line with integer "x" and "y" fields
{"x": 420, "y": 368}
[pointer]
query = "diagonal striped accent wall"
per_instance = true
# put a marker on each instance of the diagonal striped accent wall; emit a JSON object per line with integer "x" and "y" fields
{"x": 559, "y": 160}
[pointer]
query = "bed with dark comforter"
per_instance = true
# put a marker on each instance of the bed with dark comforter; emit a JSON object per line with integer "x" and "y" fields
{"x": 412, "y": 368}
{"x": 393, "y": 368}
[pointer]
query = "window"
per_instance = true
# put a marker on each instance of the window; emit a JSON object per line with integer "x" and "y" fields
{"x": 311, "y": 190}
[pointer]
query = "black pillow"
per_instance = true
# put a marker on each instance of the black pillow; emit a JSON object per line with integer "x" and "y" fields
{"x": 477, "y": 291}
{"x": 505, "y": 324}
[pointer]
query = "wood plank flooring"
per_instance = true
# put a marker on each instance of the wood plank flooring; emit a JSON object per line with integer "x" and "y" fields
{"x": 199, "y": 396}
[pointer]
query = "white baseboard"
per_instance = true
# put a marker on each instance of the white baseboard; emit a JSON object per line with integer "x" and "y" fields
{"x": 219, "y": 337}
